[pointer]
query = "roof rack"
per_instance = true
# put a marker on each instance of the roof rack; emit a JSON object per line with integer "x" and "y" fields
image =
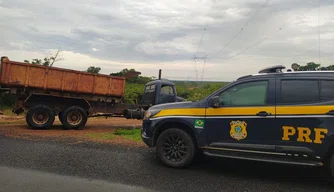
{"x": 273, "y": 69}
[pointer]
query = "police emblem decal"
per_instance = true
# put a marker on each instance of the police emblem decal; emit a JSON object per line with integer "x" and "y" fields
{"x": 238, "y": 130}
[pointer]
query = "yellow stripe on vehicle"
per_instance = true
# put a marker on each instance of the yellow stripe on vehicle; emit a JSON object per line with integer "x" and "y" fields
{"x": 303, "y": 110}
{"x": 247, "y": 111}
{"x": 185, "y": 112}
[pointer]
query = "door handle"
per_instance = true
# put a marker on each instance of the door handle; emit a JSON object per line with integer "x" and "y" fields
{"x": 331, "y": 112}
{"x": 264, "y": 113}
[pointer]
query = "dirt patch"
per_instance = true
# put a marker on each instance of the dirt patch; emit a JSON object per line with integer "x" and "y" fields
{"x": 6, "y": 119}
{"x": 96, "y": 130}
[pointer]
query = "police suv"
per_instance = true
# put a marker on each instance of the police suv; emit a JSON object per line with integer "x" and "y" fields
{"x": 272, "y": 116}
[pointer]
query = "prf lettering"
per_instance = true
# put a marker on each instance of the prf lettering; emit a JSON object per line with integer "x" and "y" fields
{"x": 304, "y": 133}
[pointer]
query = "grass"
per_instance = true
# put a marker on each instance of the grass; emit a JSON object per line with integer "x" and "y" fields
{"x": 105, "y": 136}
{"x": 8, "y": 112}
{"x": 131, "y": 134}
{"x": 12, "y": 122}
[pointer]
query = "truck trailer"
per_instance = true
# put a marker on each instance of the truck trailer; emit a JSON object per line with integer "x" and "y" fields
{"x": 74, "y": 96}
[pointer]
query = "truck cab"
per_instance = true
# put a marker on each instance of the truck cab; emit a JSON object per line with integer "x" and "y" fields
{"x": 159, "y": 92}
{"x": 156, "y": 92}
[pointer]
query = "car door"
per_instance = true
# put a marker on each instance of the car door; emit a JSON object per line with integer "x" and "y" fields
{"x": 245, "y": 117}
{"x": 304, "y": 117}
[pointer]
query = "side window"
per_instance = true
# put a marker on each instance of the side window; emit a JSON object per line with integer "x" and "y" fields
{"x": 167, "y": 90}
{"x": 327, "y": 90}
{"x": 245, "y": 94}
{"x": 299, "y": 91}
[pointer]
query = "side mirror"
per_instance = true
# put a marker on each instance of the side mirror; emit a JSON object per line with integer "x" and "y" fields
{"x": 215, "y": 102}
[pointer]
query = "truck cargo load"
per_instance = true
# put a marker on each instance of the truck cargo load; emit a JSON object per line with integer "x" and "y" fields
{"x": 25, "y": 75}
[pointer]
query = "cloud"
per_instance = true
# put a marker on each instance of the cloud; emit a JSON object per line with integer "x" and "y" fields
{"x": 245, "y": 34}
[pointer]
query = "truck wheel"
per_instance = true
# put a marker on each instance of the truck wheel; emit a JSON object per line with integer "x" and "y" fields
{"x": 175, "y": 148}
{"x": 40, "y": 117}
{"x": 74, "y": 117}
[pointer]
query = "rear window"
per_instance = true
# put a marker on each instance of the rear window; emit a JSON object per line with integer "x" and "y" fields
{"x": 327, "y": 90}
{"x": 299, "y": 91}
{"x": 149, "y": 88}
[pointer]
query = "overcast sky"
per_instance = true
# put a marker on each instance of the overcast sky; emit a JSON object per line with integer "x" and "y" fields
{"x": 240, "y": 36}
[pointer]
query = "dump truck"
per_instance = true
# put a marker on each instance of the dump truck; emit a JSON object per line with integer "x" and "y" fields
{"x": 74, "y": 96}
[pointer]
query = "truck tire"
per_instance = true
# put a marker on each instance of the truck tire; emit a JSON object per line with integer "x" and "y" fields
{"x": 40, "y": 117}
{"x": 175, "y": 148}
{"x": 74, "y": 117}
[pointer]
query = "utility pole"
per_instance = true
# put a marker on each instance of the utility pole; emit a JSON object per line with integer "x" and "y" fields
{"x": 204, "y": 58}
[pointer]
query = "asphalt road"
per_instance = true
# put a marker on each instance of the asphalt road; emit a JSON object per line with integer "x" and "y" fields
{"x": 125, "y": 167}
{"x": 14, "y": 179}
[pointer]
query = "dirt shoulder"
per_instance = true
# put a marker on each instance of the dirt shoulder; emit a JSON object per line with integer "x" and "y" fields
{"x": 96, "y": 130}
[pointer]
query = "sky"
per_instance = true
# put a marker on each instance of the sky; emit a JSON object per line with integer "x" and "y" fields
{"x": 228, "y": 39}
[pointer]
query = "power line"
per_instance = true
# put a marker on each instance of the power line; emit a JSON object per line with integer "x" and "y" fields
{"x": 200, "y": 42}
{"x": 319, "y": 31}
{"x": 255, "y": 12}
{"x": 263, "y": 39}
{"x": 251, "y": 46}
{"x": 248, "y": 48}
{"x": 204, "y": 29}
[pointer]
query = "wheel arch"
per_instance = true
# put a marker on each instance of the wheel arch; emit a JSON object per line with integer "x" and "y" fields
{"x": 330, "y": 146}
{"x": 57, "y": 103}
{"x": 174, "y": 123}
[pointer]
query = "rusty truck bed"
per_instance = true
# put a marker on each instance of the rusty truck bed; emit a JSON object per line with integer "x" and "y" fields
{"x": 24, "y": 75}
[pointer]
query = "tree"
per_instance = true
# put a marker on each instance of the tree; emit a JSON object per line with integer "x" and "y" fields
{"x": 132, "y": 76}
{"x": 47, "y": 61}
{"x": 330, "y": 67}
{"x": 123, "y": 72}
{"x": 311, "y": 66}
{"x": 93, "y": 69}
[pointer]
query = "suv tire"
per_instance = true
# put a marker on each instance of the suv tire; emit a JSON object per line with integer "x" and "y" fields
{"x": 175, "y": 148}
{"x": 331, "y": 166}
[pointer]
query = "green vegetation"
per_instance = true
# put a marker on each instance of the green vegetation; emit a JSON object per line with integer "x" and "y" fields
{"x": 132, "y": 134}
{"x": 17, "y": 122}
{"x": 8, "y": 112}
{"x": 93, "y": 69}
{"x": 47, "y": 61}
{"x": 6, "y": 103}
{"x": 190, "y": 90}
{"x": 311, "y": 66}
